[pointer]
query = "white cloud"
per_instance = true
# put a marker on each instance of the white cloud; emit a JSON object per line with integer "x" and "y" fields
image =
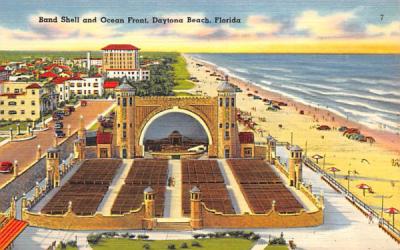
{"x": 329, "y": 26}
{"x": 390, "y": 29}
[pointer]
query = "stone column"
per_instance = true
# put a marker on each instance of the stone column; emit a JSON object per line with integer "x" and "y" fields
{"x": 149, "y": 208}
{"x": 13, "y": 206}
{"x": 18, "y": 129}
{"x": 38, "y": 152}
{"x": 37, "y": 191}
{"x": 196, "y": 219}
{"x": 15, "y": 169}
{"x": 11, "y": 134}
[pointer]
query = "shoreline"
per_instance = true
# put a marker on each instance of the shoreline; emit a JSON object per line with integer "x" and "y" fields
{"x": 386, "y": 139}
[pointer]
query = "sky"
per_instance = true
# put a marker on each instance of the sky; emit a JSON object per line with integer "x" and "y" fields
{"x": 266, "y": 26}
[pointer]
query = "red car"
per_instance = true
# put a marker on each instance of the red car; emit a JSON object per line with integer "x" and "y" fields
{"x": 6, "y": 167}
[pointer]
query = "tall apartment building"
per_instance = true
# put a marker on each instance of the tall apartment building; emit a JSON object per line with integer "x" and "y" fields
{"x": 122, "y": 60}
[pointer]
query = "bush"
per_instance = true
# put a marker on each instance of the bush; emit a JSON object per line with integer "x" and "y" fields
{"x": 72, "y": 243}
{"x": 278, "y": 241}
{"x": 142, "y": 236}
{"x": 62, "y": 245}
{"x": 146, "y": 246}
{"x": 184, "y": 245}
{"x": 171, "y": 246}
{"x": 196, "y": 244}
{"x": 94, "y": 238}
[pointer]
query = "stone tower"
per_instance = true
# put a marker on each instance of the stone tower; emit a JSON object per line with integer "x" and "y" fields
{"x": 295, "y": 165}
{"x": 125, "y": 94}
{"x": 149, "y": 208}
{"x": 196, "y": 220}
{"x": 228, "y": 138}
{"x": 52, "y": 163}
{"x": 79, "y": 149}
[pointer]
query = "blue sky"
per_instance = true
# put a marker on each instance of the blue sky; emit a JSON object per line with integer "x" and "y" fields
{"x": 281, "y": 19}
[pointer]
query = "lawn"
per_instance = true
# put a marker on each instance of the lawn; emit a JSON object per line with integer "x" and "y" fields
{"x": 181, "y": 75}
{"x": 2, "y": 139}
{"x": 6, "y": 126}
{"x": 206, "y": 244}
{"x": 276, "y": 247}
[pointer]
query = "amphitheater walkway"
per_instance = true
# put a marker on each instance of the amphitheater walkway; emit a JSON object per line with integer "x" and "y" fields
{"x": 238, "y": 201}
{"x": 113, "y": 190}
{"x": 173, "y": 194}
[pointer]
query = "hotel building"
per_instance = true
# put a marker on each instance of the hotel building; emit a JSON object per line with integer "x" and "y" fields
{"x": 122, "y": 60}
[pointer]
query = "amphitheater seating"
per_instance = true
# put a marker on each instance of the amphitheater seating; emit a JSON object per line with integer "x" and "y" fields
{"x": 144, "y": 173}
{"x": 86, "y": 189}
{"x": 260, "y": 186}
{"x": 206, "y": 175}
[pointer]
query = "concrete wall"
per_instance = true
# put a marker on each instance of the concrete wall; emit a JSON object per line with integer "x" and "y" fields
{"x": 271, "y": 219}
{"x": 36, "y": 172}
{"x": 71, "y": 221}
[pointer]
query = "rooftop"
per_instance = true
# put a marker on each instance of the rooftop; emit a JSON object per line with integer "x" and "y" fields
{"x": 120, "y": 47}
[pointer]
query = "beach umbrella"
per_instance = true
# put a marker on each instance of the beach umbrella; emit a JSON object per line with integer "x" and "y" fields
{"x": 334, "y": 170}
{"x": 317, "y": 157}
{"x": 392, "y": 211}
{"x": 364, "y": 187}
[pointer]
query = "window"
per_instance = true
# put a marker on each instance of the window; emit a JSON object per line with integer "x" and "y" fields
{"x": 119, "y": 101}
{"x": 33, "y": 103}
{"x": 220, "y": 125}
{"x": 124, "y": 125}
{"x": 124, "y": 102}
{"x": 119, "y": 125}
{"x": 227, "y": 154}
{"x": 233, "y": 102}
{"x": 124, "y": 134}
{"x": 1, "y": 102}
{"x": 220, "y": 102}
{"x": 79, "y": 92}
{"x": 1, "y": 112}
{"x": 33, "y": 112}
{"x": 226, "y": 135}
{"x": 22, "y": 112}
{"x": 130, "y": 101}
{"x": 33, "y": 91}
{"x": 12, "y": 103}
{"x": 12, "y": 112}
{"x": 248, "y": 153}
{"x": 233, "y": 125}
{"x": 227, "y": 102}
{"x": 227, "y": 125}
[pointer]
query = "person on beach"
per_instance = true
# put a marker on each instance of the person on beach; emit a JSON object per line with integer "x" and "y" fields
{"x": 370, "y": 218}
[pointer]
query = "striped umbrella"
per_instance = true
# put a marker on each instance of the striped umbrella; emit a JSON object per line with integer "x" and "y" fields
{"x": 334, "y": 170}
{"x": 364, "y": 187}
{"x": 392, "y": 211}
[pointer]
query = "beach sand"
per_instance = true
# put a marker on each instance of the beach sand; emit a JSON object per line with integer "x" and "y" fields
{"x": 340, "y": 152}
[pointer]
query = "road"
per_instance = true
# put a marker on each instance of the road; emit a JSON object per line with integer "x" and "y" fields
{"x": 25, "y": 151}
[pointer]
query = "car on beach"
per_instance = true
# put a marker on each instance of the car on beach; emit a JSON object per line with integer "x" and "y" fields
{"x": 6, "y": 167}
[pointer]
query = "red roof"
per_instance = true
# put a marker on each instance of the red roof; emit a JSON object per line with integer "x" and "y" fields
{"x": 34, "y": 86}
{"x": 48, "y": 74}
{"x": 120, "y": 47}
{"x": 111, "y": 85}
{"x": 246, "y": 137}
{"x": 10, "y": 231}
{"x": 2, "y": 68}
{"x": 75, "y": 78}
{"x": 60, "y": 80}
{"x": 104, "y": 137}
{"x": 98, "y": 75}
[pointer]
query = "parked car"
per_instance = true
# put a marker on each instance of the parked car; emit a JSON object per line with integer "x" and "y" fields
{"x": 6, "y": 167}
{"x": 60, "y": 134}
{"x": 58, "y": 125}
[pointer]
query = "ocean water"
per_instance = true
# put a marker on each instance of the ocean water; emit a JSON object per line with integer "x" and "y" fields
{"x": 362, "y": 88}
